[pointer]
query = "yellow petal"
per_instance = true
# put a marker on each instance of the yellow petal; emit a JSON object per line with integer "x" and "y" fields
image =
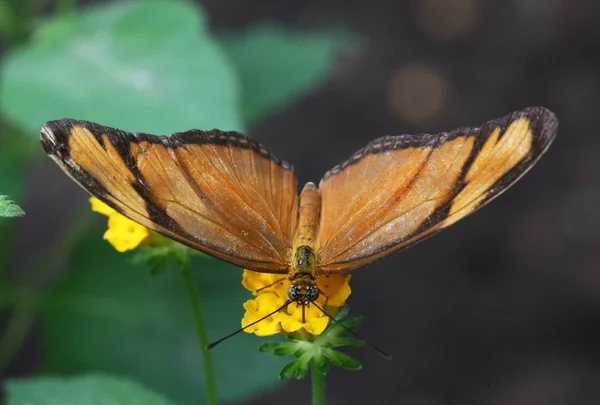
{"x": 290, "y": 323}
{"x": 316, "y": 322}
{"x": 256, "y": 281}
{"x": 338, "y": 291}
{"x": 123, "y": 233}
{"x": 317, "y": 325}
{"x": 258, "y": 308}
{"x": 100, "y": 207}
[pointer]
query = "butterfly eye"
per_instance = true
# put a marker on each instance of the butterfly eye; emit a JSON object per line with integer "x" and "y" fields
{"x": 313, "y": 293}
{"x": 293, "y": 293}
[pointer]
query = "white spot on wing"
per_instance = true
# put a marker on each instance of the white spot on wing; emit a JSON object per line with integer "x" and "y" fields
{"x": 48, "y": 135}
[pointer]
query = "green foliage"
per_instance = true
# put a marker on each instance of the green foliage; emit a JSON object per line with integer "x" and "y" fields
{"x": 147, "y": 66}
{"x": 8, "y": 208}
{"x": 164, "y": 252}
{"x": 6, "y": 19}
{"x": 321, "y": 364}
{"x": 115, "y": 318}
{"x": 13, "y": 160}
{"x": 296, "y": 369}
{"x": 89, "y": 389}
{"x": 341, "y": 360}
{"x": 15, "y": 154}
{"x": 276, "y": 66}
{"x": 317, "y": 351}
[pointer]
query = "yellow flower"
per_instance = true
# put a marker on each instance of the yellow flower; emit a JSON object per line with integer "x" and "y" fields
{"x": 271, "y": 291}
{"x": 122, "y": 232}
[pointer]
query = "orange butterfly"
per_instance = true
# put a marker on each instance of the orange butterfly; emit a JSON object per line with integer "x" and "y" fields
{"x": 226, "y": 195}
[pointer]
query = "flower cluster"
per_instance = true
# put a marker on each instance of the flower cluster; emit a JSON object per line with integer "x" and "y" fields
{"x": 122, "y": 232}
{"x": 271, "y": 292}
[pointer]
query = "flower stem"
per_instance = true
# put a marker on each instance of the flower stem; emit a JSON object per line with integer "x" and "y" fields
{"x": 318, "y": 384}
{"x": 209, "y": 374}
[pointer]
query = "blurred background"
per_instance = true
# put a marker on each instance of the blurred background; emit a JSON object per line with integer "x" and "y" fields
{"x": 501, "y": 309}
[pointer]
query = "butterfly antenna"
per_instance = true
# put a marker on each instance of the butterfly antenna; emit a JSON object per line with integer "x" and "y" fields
{"x": 213, "y": 344}
{"x": 377, "y": 349}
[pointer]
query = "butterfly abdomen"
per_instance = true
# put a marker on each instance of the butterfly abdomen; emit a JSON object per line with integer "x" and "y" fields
{"x": 309, "y": 216}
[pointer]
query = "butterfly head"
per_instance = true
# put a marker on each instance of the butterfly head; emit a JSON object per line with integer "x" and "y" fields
{"x": 303, "y": 290}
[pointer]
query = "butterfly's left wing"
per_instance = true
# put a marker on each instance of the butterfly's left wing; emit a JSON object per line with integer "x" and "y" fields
{"x": 218, "y": 192}
{"x": 400, "y": 189}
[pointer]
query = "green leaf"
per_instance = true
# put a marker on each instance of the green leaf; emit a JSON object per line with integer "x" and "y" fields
{"x": 157, "y": 258}
{"x": 343, "y": 313}
{"x": 335, "y": 329}
{"x": 13, "y": 165}
{"x": 162, "y": 253}
{"x": 89, "y": 389}
{"x": 296, "y": 369}
{"x": 146, "y": 66}
{"x": 352, "y": 323}
{"x": 9, "y": 209}
{"x": 113, "y": 317}
{"x": 321, "y": 364}
{"x": 277, "y": 67}
{"x": 341, "y": 360}
{"x": 279, "y": 348}
{"x": 344, "y": 341}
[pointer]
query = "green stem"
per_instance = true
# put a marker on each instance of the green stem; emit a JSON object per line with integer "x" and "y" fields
{"x": 209, "y": 373}
{"x": 318, "y": 384}
{"x": 26, "y": 299}
{"x": 17, "y": 329}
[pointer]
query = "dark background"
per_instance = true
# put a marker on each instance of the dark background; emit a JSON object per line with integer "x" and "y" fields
{"x": 504, "y": 307}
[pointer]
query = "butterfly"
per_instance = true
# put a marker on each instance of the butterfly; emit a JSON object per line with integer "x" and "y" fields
{"x": 226, "y": 195}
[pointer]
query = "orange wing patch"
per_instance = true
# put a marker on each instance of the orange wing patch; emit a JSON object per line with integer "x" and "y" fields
{"x": 218, "y": 192}
{"x": 493, "y": 161}
{"x": 112, "y": 171}
{"x": 398, "y": 190}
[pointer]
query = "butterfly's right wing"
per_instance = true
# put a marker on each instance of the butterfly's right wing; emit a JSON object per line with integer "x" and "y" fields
{"x": 217, "y": 192}
{"x": 399, "y": 190}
